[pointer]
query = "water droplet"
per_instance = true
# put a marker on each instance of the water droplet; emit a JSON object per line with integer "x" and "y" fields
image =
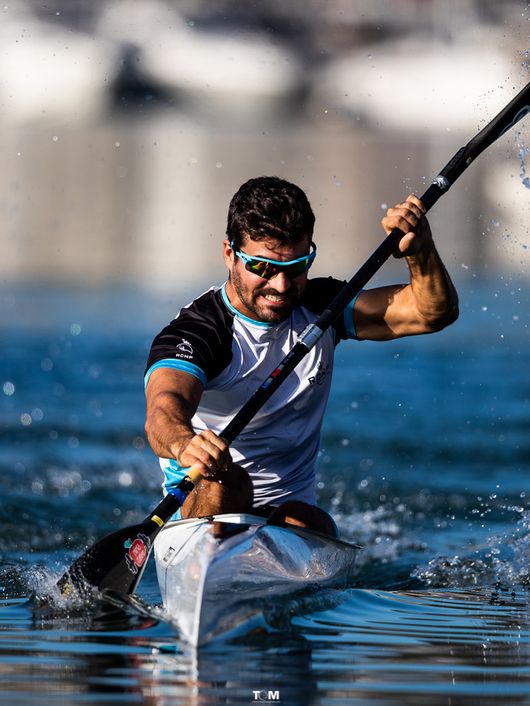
{"x": 46, "y": 364}
{"x": 125, "y": 479}
{"x": 8, "y": 388}
{"x": 523, "y": 151}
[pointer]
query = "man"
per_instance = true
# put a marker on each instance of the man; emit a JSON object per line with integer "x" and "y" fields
{"x": 218, "y": 350}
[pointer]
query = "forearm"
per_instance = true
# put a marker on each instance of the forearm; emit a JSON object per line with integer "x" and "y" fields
{"x": 433, "y": 293}
{"x": 168, "y": 424}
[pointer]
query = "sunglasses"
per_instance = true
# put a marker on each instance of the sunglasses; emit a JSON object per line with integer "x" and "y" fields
{"x": 267, "y": 269}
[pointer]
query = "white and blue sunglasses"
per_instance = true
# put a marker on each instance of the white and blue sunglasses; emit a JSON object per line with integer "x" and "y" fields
{"x": 267, "y": 269}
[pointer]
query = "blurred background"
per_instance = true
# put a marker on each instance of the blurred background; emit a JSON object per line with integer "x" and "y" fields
{"x": 127, "y": 125}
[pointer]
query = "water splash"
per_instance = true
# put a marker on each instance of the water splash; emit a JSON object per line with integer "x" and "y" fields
{"x": 505, "y": 562}
{"x": 523, "y": 152}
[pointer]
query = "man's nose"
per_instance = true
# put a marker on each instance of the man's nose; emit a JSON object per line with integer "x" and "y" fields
{"x": 281, "y": 283}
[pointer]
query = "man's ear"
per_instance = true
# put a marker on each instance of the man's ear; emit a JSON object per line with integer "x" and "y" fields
{"x": 228, "y": 254}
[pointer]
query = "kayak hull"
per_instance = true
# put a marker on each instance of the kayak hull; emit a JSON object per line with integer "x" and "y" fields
{"x": 218, "y": 575}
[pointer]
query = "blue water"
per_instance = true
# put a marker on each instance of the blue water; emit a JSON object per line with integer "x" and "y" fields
{"x": 425, "y": 457}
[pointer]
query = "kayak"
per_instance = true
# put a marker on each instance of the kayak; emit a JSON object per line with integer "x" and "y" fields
{"x": 218, "y": 575}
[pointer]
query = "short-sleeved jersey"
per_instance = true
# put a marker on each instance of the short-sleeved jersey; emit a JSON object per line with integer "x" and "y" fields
{"x": 232, "y": 355}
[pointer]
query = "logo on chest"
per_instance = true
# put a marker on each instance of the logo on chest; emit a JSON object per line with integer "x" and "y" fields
{"x": 320, "y": 375}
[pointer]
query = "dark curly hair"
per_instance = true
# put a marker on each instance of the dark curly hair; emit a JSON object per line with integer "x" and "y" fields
{"x": 269, "y": 207}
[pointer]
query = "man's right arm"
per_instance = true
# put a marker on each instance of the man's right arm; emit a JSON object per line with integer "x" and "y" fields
{"x": 172, "y": 399}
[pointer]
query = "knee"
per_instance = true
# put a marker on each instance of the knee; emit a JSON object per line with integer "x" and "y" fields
{"x": 301, "y": 514}
{"x": 236, "y": 480}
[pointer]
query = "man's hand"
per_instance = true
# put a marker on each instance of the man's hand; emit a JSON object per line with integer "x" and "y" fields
{"x": 409, "y": 217}
{"x": 206, "y": 451}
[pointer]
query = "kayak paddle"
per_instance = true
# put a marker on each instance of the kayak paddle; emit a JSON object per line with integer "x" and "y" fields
{"x": 116, "y": 563}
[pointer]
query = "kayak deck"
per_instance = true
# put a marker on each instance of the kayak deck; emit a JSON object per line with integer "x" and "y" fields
{"x": 217, "y": 574}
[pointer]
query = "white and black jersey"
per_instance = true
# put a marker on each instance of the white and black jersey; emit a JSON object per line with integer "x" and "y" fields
{"x": 232, "y": 355}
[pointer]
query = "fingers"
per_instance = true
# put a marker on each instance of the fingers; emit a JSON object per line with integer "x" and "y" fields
{"x": 409, "y": 218}
{"x": 413, "y": 200}
{"x": 207, "y": 452}
{"x": 406, "y": 216}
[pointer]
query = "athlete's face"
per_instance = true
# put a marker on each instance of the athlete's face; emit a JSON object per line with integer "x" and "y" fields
{"x": 271, "y": 300}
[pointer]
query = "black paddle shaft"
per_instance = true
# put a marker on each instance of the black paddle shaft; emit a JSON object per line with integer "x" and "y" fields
{"x": 116, "y": 562}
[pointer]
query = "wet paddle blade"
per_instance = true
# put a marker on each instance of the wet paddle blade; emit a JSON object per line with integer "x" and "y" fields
{"x": 115, "y": 563}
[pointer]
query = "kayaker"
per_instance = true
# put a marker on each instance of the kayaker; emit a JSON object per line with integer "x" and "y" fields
{"x": 218, "y": 350}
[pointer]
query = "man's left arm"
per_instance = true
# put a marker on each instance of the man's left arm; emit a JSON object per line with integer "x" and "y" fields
{"x": 426, "y": 304}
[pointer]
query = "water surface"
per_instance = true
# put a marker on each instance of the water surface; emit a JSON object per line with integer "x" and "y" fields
{"x": 424, "y": 461}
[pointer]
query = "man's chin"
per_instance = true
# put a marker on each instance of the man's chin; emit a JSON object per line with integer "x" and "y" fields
{"x": 274, "y": 312}
{"x": 275, "y": 315}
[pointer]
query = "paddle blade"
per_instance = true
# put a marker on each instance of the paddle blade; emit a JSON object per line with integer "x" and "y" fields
{"x": 115, "y": 563}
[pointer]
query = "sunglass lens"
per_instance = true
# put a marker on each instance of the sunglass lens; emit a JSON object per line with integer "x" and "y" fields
{"x": 298, "y": 268}
{"x": 262, "y": 269}
{"x": 268, "y": 270}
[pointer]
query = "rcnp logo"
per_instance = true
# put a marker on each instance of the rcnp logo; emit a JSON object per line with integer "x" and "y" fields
{"x": 266, "y": 696}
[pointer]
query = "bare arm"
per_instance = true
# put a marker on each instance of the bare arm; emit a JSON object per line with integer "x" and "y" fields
{"x": 429, "y": 301}
{"x": 172, "y": 399}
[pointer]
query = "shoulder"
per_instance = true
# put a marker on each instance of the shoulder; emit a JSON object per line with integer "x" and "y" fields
{"x": 200, "y": 337}
{"x": 206, "y": 310}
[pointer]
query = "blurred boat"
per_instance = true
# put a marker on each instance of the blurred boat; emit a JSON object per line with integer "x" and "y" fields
{"x": 236, "y": 74}
{"x": 422, "y": 85}
{"x": 219, "y": 575}
{"x": 49, "y": 73}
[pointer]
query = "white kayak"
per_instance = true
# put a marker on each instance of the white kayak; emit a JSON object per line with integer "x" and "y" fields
{"x": 218, "y": 574}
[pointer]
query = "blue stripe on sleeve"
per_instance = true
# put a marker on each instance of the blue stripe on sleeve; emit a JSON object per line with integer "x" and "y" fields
{"x": 183, "y": 365}
{"x": 349, "y": 321}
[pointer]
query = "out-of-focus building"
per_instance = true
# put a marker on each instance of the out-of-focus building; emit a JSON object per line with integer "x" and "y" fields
{"x": 128, "y": 124}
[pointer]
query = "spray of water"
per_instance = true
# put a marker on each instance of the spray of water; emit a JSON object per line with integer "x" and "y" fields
{"x": 523, "y": 152}
{"x": 487, "y": 568}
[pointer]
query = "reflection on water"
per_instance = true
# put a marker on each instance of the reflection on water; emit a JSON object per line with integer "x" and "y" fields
{"x": 425, "y": 647}
{"x": 447, "y": 647}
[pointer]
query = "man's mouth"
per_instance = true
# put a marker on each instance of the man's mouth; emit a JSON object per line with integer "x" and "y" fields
{"x": 276, "y": 298}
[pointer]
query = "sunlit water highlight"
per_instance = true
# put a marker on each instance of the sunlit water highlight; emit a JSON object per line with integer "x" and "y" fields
{"x": 424, "y": 461}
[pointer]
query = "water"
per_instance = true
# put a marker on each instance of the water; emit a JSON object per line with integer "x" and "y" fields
{"x": 424, "y": 462}
{"x": 523, "y": 152}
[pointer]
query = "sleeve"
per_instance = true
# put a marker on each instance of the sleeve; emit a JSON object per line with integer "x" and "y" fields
{"x": 197, "y": 341}
{"x": 319, "y": 293}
